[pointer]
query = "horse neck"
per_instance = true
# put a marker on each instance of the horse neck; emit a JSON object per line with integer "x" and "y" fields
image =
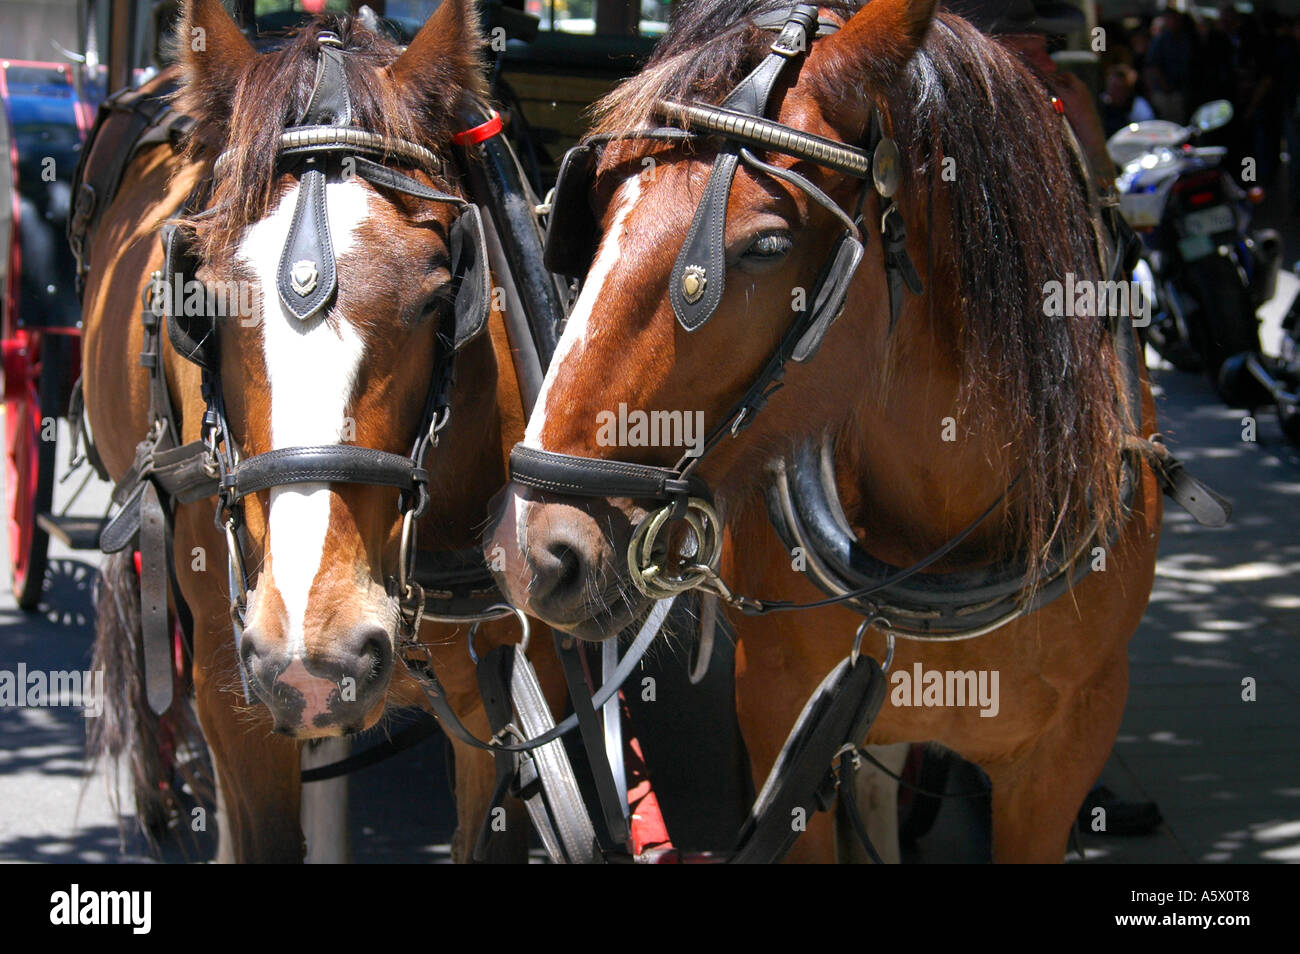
{"x": 915, "y": 465}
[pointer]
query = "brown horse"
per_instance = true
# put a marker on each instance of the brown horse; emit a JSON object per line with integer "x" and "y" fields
{"x": 975, "y": 401}
{"x": 319, "y": 555}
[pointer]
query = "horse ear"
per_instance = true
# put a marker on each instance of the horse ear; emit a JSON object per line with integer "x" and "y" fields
{"x": 444, "y": 58}
{"x": 213, "y": 54}
{"x": 871, "y": 50}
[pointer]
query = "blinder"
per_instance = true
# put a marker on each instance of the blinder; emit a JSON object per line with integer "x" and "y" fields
{"x": 470, "y": 276}
{"x": 192, "y": 335}
{"x": 572, "y": 232}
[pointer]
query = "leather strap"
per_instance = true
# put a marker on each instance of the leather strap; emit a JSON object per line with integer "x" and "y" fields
{"x": 330, "y": 103}
{"x": 307, "y": 277}
{"x": 593, "y": 740}
{"x": 703, "y": 256}
{"x": 328, "y": 463}
{"x": 155, "y": 626}
{"x": 592, "y": 477}
{"x": 1207, "y": 508}
{"x": 493, "y": 673}
{"x": 555, "y": 801}
{"x": 699, "y": 273}
{"x": 839, "y": 713}
{"x": 899, "y": 269}
{"x": 831, "y": 291}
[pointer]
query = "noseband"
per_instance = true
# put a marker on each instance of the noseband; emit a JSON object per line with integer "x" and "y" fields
{"x": 699, "y": 279}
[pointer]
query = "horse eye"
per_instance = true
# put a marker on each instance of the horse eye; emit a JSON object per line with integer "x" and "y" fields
{"x": 768, "y": 247}
{"x": 435, "y": 292}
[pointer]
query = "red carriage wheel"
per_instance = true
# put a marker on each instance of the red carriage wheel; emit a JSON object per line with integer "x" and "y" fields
{"x": 29, "y": 463}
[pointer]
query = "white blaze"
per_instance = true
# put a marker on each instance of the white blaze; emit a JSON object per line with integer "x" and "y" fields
{"x": 575, "y": 329}
{"x": 575, "y": 333}
{"x": 311, "y": 370}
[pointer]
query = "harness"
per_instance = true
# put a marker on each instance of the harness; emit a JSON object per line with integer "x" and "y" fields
{"x": 803, "y": 504}
{"x": 165, "y": 474}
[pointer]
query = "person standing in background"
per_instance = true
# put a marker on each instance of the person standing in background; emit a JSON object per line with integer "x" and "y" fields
{"x": 1120, "y": 102}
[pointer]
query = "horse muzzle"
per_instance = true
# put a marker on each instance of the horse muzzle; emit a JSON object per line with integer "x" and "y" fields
{"x": 337, "y": 691}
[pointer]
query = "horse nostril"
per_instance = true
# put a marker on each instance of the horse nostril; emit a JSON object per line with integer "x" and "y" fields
{"x": 559, "y": 575}
{"x": 371, "y": 651}
{"x": 569, "y": 573}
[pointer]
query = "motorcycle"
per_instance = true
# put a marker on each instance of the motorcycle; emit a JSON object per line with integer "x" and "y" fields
{"x": 1280, "y": 376}
{"x": 1203, "y": 270}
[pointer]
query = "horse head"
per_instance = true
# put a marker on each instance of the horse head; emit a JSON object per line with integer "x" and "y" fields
{"x": 343, "y": 244}
{"x": 725, "y": 260}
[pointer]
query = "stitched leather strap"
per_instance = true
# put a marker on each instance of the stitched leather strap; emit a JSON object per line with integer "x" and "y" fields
{"x": 154, "y": 622}
{"x": 839, "y": 713}
{"x": 592, "y": 477}
{"x": 329, "y": 463}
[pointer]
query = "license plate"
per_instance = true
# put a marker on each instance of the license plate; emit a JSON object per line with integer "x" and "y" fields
{"x": 1197, "y": 246}
{"x": 1209, "y": 221}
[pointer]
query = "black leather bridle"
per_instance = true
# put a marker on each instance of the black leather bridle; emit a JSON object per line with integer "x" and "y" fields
{"x": 699, "y": 277}
{"x": 321, "y": 143}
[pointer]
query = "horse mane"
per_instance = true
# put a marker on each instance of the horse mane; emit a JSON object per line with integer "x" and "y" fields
{"x": 271, "y": 95}
{"x": 1014, "y": 217}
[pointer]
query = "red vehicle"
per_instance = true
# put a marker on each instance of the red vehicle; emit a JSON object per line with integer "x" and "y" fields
{"x": 43, "y": 122}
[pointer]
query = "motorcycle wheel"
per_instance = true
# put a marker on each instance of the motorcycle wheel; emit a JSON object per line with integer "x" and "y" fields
{"x": 1224, "y": 324}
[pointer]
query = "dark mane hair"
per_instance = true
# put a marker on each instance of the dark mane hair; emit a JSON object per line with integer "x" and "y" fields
{"x": 1016, "y": 217}
{"x": 270, "y": 96}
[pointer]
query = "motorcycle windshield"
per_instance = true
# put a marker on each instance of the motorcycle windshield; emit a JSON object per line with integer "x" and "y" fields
{"x": 1136, "y": 138}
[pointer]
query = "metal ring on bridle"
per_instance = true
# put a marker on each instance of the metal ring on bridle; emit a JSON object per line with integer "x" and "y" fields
{"x": 866, "y": 624}
{"x": 405, "y": 553}
{"x": 647, "y": 574}
{"x": 507, "y": 610}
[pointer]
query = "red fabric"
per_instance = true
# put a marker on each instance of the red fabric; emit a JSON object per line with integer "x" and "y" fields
{"x": 648, "y": 827}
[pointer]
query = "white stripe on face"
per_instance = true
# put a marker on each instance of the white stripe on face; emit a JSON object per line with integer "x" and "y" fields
{"x": 311, "y": 371}
{"x": 575, "y": 334}
{"x": 575, "y": 329}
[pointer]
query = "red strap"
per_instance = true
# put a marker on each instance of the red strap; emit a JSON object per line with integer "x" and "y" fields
{"x": 480, "y": 133}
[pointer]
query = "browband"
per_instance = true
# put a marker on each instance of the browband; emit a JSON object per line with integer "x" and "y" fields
{"x": 766, "y": 134}
{"x": 311, "y": 139}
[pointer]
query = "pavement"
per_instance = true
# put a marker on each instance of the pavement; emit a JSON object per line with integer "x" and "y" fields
{"x": 1224, "y": 771}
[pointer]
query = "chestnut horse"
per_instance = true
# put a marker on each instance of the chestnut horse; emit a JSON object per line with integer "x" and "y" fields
{"x": 974, "y": 418}
{"x": 319, "y": 555}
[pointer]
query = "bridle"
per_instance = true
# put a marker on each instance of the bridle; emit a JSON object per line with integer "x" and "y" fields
{"x": 322, "y": 142}
{"x": 803, "y": 504}
{"x": 307, "y": 282}
{"x": 698, "y": 282}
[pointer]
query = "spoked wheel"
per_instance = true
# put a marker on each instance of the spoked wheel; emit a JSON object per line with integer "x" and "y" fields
{"x": 33, "y": 369}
